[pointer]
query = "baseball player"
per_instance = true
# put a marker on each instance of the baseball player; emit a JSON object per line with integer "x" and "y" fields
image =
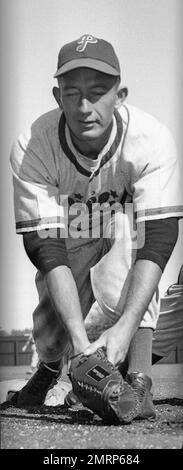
{"x": 97, "y": 202}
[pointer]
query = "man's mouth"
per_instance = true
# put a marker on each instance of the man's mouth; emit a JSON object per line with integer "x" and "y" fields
{"x": 87, "y": 123}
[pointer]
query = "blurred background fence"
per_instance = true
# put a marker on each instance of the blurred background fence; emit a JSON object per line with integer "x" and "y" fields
{"x": 11, "y": 353}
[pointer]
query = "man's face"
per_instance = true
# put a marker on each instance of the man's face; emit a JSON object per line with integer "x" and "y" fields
{"x": 88, "y": 99}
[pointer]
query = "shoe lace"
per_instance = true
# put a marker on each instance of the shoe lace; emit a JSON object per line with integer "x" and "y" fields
{"x": 139, "y": 388}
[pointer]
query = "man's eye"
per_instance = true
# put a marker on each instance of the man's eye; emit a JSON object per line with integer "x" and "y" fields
{"x": 99, "y": 91}
{"x": 71, "y": 93}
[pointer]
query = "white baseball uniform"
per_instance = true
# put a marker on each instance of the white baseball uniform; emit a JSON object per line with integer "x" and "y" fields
{"x": 52, "y": 181}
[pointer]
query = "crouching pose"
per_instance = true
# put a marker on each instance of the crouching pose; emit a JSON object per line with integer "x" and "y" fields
{"x": 97, "y": 202}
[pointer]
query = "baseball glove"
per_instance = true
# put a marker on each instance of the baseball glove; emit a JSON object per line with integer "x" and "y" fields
{"x": 101, "y": 388}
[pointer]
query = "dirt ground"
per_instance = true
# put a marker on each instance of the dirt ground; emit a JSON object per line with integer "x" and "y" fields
{"x": 58, "y": 428}
{"x": 55, "y": 428}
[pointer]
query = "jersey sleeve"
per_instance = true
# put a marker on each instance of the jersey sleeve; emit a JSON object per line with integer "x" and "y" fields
{"x": 156, "y": 189}
{"x": 37, "y": 202}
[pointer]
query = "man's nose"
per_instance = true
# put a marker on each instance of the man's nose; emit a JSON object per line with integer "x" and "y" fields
{"x": 85, "y": 105}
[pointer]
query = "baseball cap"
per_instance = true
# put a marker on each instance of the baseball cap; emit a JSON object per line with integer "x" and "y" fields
{"x": 88, "y": 51}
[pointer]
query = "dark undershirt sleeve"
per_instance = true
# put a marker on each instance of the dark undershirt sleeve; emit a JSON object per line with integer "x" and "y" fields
{"x": 160, "y": 238}
{"x": 45, "y": 254}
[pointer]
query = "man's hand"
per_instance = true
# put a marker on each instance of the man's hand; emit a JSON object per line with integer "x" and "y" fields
{"x": 116, "y": 342}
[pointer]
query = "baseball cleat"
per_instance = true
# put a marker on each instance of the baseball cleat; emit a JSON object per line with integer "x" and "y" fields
{"x": 35, "y": 390}
{"x": 142, "y": 384}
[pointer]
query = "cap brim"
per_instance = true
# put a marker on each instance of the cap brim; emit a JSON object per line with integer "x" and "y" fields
{"x": 89, "y": 63}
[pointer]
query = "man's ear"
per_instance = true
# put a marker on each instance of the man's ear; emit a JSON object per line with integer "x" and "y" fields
{"x": 121, "y": 96}
{"x": 56, "y": 94}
